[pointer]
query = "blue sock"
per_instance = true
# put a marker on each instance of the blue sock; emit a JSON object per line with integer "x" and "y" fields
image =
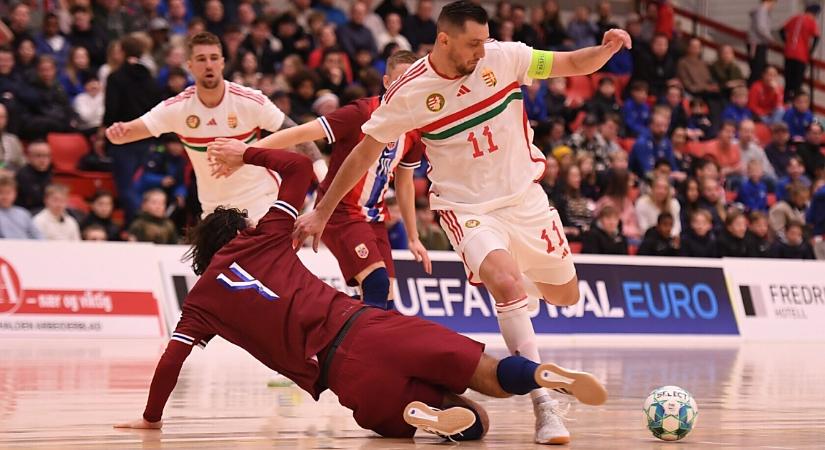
{"x": 376, "y": 288}
{"x": 474, "y": 433}
{"x": 516, "y": 375}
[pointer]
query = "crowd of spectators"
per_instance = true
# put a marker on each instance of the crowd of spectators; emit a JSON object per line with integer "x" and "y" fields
{"x": 671, "y": 149}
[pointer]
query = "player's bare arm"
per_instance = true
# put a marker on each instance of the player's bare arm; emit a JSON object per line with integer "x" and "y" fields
{"x": 228, "y": 153}
{"x": 305, "y": 147}
{"x": 125, "y": 132}
{"x": 354, "y": 167}
{"x": 405, "y": 191}
{"x": 580, "y": 62}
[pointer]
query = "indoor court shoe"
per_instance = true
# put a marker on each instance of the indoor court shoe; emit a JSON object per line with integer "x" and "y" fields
{"x": 550, "y": 427}
{"x": 442, "y": 422}
{"x": 582, "y": 385}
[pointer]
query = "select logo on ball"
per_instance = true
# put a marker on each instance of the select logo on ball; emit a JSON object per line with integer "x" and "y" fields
{"x": 670, "y": 413}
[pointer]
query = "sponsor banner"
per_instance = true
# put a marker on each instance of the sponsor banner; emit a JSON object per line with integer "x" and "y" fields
{"x": 618, "y": 295}
{"x": 79, "y": 289}
{"x": 778, "y": 299}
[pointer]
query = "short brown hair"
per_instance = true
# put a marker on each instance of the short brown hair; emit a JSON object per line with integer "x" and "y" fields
{"x": 53, "y": 189}
{"x": 7, "y": 181}
{"x": 132, "y": 46}
{"x": 202, "y": 38}
{"x": 400, "y": 57}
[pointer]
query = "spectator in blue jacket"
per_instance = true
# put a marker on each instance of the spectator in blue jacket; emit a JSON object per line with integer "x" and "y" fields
{"x": 815, "y": 217}
{"x": 737, "y": 110}
{"x": 534, "y": 101}
{"x": 52, "y": 42}
{"x": 164, "y": 170}
{"x": 636, "y": 110}
{"x": 753, "y": 193}
{"x": 799, "y": 117}
{"x": 652, "y": 146}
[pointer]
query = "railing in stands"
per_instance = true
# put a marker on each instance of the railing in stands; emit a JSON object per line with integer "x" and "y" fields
{"x": 813, "y": 82}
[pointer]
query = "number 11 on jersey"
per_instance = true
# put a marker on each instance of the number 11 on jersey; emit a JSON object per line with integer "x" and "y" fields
{"x": 491, "y": 146}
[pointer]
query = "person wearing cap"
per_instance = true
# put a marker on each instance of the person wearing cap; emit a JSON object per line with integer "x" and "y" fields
{"x": 801, "y": 34}
{"x": 159, "y": 32}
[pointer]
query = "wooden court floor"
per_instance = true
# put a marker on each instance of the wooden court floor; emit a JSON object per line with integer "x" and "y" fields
{"x": 66, "y": 394}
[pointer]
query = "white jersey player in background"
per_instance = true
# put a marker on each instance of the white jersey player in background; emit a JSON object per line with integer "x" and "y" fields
{"x": 465, "y": 99}
{"x": 214, "y": 108}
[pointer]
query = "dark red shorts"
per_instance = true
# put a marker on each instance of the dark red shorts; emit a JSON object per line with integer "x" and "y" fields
{"x": 356, "y": 245}
{"x": 388, "y": 360}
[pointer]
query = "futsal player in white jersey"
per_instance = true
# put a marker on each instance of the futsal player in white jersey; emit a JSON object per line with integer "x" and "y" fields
{"x": 214, "y": 108}
{"x": 465, "y": 100}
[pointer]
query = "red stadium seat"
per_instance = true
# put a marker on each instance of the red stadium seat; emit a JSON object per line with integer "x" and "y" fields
{"x": 579, "y": 88}
{"x": 78, "y": 203}
{"x": 67, "y": 149}
{"x": 627, "y": 143}
{"x": 701, "y": 149}
{"x": 763, "y": 134}
{"x": 575, "y": 247}
{"x": 577, "y": 122}
{"x": 85, "y": 184}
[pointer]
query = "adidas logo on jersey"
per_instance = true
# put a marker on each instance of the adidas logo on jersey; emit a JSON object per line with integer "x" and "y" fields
{"x": 463, "y": 90}
{"x": 212, "y": 121}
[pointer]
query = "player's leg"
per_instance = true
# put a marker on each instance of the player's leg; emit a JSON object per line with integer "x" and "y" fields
{"x": 375, "y": 285}
{"x": 357, "y": 248}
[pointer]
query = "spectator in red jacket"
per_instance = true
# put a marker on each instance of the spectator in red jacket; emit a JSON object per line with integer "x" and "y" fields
{"x": 765, "y": 98}
{"x": 801, "y": 34}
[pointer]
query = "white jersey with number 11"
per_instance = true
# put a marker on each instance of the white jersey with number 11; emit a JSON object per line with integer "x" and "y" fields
{"x": 475, "y": 128}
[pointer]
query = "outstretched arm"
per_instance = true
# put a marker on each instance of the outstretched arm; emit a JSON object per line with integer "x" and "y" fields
{"x": 229, "y": 153}
{"x": 163, "y": 383}
{"x": 125, "y": 132}
{"x": 405, "y": 190}
{"x": 584, "y": 61}
{"x": 295, "y": 170}
{"x": 354, "y": 167}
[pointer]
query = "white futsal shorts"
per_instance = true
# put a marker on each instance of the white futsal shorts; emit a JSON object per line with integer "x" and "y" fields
{"x": 531, "y": 232}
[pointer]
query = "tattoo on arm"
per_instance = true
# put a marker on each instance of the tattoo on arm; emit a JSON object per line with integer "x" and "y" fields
{"x": 308, "y": 149}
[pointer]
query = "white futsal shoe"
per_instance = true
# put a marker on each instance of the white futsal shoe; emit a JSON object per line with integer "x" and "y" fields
{"x": 550, "y": 429}
{"x": 583, "y": 386}
{"x": 441, "y": 422}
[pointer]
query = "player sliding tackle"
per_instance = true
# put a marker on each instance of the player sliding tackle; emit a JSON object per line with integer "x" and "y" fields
{"x": 397, "y": 373}
{"x": 465, "y": 99}
{"x": 356, "y": 234}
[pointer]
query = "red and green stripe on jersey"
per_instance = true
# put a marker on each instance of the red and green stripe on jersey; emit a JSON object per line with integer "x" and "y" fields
{"x": 472, "y": 115}
{"x": 198, "y": 144}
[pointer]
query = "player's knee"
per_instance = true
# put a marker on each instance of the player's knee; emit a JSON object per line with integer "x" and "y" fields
{"x": 376, "y": 288}
{"x": 506, "y": 286}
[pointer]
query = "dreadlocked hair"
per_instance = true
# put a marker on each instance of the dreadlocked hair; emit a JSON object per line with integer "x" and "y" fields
{"x": 211, "y": 234}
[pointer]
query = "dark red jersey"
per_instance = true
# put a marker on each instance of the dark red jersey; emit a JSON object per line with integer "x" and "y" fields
{"x": 343, "y": 130}
{"x": 258, "y": 295}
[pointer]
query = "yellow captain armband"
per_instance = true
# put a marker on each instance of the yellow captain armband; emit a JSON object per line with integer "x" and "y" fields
{"x": 541, "y": 64}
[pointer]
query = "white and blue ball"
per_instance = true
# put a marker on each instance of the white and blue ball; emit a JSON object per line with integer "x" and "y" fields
{"x": 670, "y": 413}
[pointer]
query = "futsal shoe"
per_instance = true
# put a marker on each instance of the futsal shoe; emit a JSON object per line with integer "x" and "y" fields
{"x": 582, "y": 385}
{"x": 442, "y": 422}
{"x": 550, "y": 427}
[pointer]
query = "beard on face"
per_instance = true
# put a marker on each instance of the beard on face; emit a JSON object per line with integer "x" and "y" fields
{"x": 209, "y": 83}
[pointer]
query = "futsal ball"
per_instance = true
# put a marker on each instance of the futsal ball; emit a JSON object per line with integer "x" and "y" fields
{"x": 670, "y": 413}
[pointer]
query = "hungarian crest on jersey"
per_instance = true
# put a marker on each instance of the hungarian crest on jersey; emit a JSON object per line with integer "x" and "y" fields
{"x": 489, "y": 77}
{"x": 435, "y": 102}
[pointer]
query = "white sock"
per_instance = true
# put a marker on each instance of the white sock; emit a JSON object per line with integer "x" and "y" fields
{"x": 517, "y": 330}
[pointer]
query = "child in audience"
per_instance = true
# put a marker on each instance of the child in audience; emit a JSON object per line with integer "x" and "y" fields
{"x": 758, "y": 236}
{"x": 792, "y": 245}
{"x": 15, "y": 221}
{"x": 699, "y": 241}
{"x": 152, "y": 225}
{"x": 753, "y": 193}
{"x": 605, "y": 236}
{"x": 658, "y": 240}
{"x": 732, "y": 240}
{"x": 54, "y": 222}
{"x": 799, "y": 117}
